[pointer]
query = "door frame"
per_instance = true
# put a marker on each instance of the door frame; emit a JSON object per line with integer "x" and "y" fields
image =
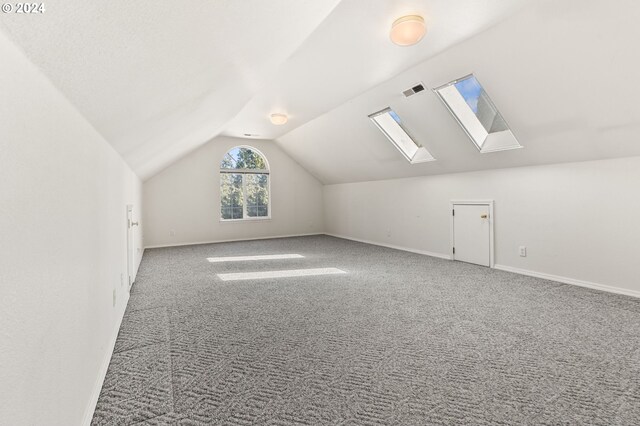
{"x": 488, "y": 203}
{"x": 130, "y": 248}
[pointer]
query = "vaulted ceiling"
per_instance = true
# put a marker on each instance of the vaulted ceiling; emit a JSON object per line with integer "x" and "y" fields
{"x": 159, "y": 79}
{"x": 561, "y": 73}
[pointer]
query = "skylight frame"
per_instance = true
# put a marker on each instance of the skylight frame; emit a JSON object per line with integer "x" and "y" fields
{"x": 479, "y": 146}
{"x": 421, "y": 155}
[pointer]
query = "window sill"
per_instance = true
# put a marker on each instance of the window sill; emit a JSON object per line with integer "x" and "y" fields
{"x": 252, "y": 219}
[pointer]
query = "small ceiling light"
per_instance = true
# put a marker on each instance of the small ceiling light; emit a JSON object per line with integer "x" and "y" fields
{"x": 279, "y": 119}
{"x": 408, "y": 30}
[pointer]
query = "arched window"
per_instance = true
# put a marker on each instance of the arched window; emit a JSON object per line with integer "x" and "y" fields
{"x": 244, "y": 185}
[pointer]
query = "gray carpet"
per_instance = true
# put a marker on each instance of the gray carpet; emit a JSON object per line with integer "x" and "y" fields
{"x": 401, "y": 339}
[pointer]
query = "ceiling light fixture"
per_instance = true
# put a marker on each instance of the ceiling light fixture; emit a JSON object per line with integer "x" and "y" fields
{"x": 279, "y": 119}
{"x": 408, "y": 30}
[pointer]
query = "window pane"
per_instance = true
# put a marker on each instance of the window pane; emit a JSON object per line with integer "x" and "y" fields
{"x": 249, "y": 159}
{"x": 228, "y": 162}
{"x": 257, "y": 187}
{"x": 243, "y": 158}
{"x": 471, "y": 106}
{"x": 231, "y": 199}
{"x": 479, "y": 102}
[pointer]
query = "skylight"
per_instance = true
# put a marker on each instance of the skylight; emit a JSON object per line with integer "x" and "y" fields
{"x": 471, "y": 106}
{"x": 390, "y": 125}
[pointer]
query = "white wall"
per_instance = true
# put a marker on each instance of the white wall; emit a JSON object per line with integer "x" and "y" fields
{"x": 185, "y": 199}
{"x": 63, "y": 192}
{"x": 578, "y": 220}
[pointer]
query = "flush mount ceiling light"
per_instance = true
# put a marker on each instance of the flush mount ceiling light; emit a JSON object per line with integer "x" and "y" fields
{"x": 408, "y": 30}
{"x": 279, "y": 119}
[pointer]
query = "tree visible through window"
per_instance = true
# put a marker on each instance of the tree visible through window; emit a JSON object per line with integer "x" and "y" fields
{"x": 244, "y": 185}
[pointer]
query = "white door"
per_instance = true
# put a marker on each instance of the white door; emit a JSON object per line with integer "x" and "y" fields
{"x": 472, "y": 233}
{"x": 130, "y": 245}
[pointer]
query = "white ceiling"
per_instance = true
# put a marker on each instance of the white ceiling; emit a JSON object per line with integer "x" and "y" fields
{"x": 158, "y": 79}
{"x": 350, "y": 52}
{"x": 561, "y": 72}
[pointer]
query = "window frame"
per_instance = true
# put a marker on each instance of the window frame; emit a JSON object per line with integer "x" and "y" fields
{"x": 244, "y": 172}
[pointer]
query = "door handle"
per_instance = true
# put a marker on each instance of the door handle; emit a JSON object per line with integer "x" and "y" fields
{"x": 134, "y": 224}
{"x": 484, "y": 216}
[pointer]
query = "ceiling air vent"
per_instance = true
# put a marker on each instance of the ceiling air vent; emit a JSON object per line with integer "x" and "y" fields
{"x": 412, "y": 91}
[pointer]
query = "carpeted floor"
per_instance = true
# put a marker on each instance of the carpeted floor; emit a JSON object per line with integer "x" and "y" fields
{"x": 400, "y": 339}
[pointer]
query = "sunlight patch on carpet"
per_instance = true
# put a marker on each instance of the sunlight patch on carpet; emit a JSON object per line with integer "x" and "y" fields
{"x": 279, "y": 274}
{"x": 259, "y": 257}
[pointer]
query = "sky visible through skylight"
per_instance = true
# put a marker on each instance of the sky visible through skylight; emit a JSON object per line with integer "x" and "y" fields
{"x": 470, "y": 90}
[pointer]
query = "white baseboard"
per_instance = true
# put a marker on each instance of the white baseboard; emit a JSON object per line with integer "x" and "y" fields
{"x": 572, "y": 281}
{"x": 102, "y": 373}
{"x": 557, "y": 278}
{"x": 232, "y": 240}
{"x": 426, "y": 253}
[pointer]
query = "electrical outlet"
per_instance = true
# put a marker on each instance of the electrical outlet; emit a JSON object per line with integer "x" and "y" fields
{"x": 523, "y": 251}
{"x": 172, "y": 233}
{"x": 121, "y": 280}
{"x": 114, "y": 297}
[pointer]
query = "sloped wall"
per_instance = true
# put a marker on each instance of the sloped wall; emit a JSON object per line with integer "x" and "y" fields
{"x": 63, "y": 197}
{"x": 182, "y": 203}
{"x": 579, "y": 221}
